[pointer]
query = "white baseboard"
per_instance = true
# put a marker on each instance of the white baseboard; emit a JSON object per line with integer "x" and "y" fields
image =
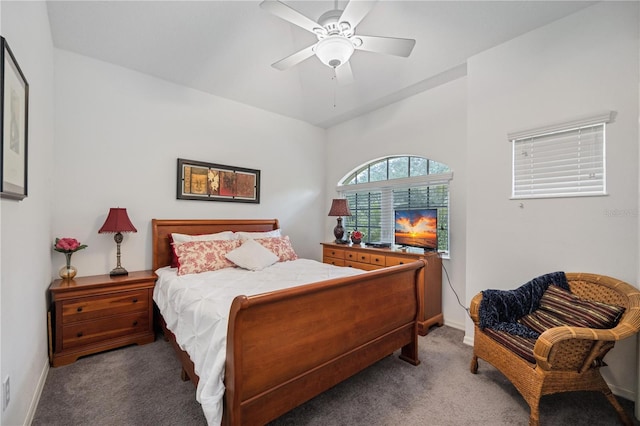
{"x": 621, "y": 392}
{"x": 454, "y": 324}
{"x": 36, "y": 396}
{"x": 468, "y": 340}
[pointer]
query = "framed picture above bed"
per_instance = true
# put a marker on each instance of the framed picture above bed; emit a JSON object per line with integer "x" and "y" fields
{"x": 14, "y": 91}
{"x": 198, "y": 180}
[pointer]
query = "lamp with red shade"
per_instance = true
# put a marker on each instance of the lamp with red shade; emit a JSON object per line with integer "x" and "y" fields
{"x": 117, "y": 222}
{"x": 339, "y": 207}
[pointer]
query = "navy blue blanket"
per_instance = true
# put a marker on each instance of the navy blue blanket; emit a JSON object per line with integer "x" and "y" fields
{"x": 500, "y": 309}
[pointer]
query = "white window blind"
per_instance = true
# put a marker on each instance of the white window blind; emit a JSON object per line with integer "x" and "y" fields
{"x": 565, "y": 162}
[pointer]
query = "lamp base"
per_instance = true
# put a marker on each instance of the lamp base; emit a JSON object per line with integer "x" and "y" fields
{"x": 119, "y": 270}
{"x": 338, "y": 231}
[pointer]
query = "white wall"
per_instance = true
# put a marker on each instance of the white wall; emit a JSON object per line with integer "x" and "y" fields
{"x": 119, "y": 134}
{"x": 583, "y": 64}
{"x": 431, "y": 124}
{"x": 25, "y": 227}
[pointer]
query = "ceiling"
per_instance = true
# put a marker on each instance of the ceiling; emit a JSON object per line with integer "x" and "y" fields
{"x": 226, "y": 48}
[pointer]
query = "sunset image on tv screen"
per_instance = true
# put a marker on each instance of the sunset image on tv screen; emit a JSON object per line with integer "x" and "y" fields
{"x": 417, "y": 228}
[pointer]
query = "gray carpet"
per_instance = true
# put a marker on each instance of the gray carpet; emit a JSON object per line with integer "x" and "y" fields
{"x": 140, "y": 385}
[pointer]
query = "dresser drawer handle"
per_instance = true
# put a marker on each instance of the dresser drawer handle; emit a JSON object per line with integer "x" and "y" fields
{"x": 362, "y": 257}
{"x": 135, "y": 300}
{"x": 377, "y": 260}
{"x": 135, "y": 323}
{"x": 401, "y": 263}
{"x": 79, "y": 309}
{"x": 79, "y": 334}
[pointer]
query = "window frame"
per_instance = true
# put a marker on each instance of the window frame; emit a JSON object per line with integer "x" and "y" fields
{"x": 347, "y": 187}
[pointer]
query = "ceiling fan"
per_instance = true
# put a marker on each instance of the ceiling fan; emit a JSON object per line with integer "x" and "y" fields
{"x": 337, "y": 38}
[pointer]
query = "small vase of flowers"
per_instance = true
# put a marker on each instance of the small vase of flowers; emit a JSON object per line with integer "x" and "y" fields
{"x": 68, "y": 246}
{"x": 356, "y": 237}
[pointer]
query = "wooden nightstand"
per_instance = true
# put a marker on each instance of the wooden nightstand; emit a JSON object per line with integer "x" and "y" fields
{"x": 97, "y": 313}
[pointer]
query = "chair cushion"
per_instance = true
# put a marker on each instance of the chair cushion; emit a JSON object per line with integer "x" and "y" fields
{"x": 521, "y": 346}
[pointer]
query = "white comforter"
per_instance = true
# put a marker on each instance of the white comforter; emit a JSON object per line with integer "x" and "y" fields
{"x": 196, "y": 309}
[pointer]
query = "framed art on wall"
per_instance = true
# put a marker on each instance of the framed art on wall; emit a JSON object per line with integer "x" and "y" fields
{"x": 14, "y": 91}
{"x": 198, "y": 180}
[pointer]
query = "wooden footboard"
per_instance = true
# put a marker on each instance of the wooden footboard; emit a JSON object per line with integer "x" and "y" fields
{"x": 285, "y": 347}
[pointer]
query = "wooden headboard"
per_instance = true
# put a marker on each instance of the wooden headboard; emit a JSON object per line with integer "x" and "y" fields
{"x": 161, "y": 228}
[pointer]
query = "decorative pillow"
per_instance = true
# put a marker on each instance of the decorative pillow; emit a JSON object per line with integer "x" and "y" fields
{"x": 176, "y": 238}
{"x": 541, "y": 321}
{"x": 256, "y": 235}
{"x": 252, "y": 255}
{"x": 174, "y": 256}
{"x": 201, "y": 256}
{"x": 185, "y": 238}
{"x": 280, "y": 246}
{"x": 573, "y": 310}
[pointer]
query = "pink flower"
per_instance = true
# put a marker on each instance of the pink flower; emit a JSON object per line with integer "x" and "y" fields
{"x": 67, "y": 245}
{"x": 357, "y": 235}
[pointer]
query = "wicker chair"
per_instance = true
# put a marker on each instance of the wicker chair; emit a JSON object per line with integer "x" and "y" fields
{"x": 567, "y": 358}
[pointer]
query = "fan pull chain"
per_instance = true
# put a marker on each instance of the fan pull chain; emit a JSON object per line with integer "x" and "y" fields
{"x": 335, "y": 84}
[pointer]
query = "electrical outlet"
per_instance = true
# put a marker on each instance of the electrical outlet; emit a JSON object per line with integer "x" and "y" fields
{"x": 6, "y": 393}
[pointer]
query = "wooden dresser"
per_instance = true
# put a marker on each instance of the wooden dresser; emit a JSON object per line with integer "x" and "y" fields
{"x": 368, "y": 258}
{"x": 97, "y": 313}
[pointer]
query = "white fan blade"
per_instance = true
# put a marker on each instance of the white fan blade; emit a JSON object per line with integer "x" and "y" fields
{"x": 294, "y": 59}
{"x": 355, "y": 11}
{"x": 288, "y": 14}
{"x": 388, "y": 45}
{"x": 344, "y": 75}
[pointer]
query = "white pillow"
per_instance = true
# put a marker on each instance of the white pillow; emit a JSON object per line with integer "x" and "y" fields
{"x": 255, "y": 235}
{"x": 252, "y": 255}
{"x": 184, "y": 238}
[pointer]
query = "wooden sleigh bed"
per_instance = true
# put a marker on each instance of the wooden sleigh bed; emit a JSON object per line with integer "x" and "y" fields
{"x": 269, "y": 367}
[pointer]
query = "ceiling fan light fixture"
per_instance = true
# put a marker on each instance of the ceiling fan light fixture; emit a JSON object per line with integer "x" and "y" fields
{"x": 334, "y": 51}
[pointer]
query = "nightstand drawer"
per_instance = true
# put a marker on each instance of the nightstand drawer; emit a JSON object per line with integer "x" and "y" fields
{"x": 100, "y": 306}
{"x": 82, "y": 333}
{"x": 335, "y": 253}
{"x": 393, "y": 261}
{"x": 332, "y": 261}
{"x": 351, "y": 255}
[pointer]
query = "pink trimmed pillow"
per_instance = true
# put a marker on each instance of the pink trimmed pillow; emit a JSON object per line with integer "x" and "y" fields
{"x": 202, "y": 256}
{"x": 177, "y": 239}
{"x": 280, "y": 246}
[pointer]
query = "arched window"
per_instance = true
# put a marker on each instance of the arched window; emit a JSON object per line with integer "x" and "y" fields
{"x": 379, "y": 188}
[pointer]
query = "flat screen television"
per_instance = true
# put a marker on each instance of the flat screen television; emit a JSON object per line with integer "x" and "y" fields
{"x": 417, "y": 228}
